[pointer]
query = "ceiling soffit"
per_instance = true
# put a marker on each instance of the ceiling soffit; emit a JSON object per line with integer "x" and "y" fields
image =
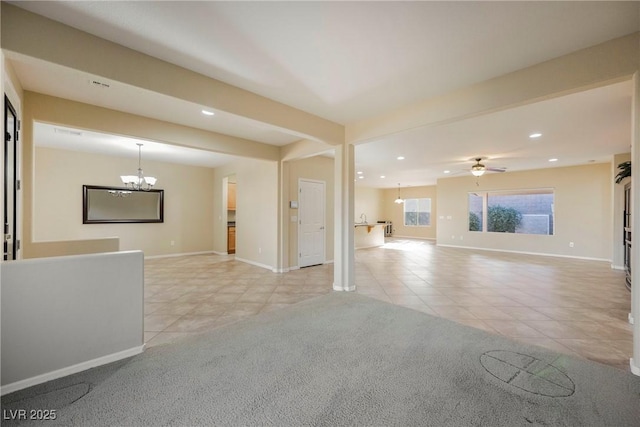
{"x": 35, "y": 36}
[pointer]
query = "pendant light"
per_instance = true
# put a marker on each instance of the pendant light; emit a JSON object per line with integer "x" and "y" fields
{"x": 398, "y": 200}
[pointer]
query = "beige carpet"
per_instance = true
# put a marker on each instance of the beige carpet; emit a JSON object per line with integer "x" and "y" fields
{"x": 342, "y": 359}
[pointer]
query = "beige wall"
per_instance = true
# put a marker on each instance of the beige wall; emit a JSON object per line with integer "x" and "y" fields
{"x": 38, "y": 107}
{"x": 73, "y": 247}
{"x": 317, "y": 168}
{"x": 256, "y": 211}
{"x": 583, "y": 214}
{"x": 368, "y": 201}
{"x": 57, "y": 205}
{"x": 395, "y": 212}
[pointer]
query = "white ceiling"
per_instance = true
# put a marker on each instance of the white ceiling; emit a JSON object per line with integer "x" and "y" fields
{"x": 51, "y": 79}
{"x": 347, "y": 61}
{"x": 576, "y": 129}
{"x": 66, "y": 138}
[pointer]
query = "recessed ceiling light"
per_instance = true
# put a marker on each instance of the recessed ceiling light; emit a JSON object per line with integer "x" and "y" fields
{"x": 382, "y": 176}
{"x": 535, "y": 135}
{"x": 361, "y": 177}
{"x": 359, "y": 172}
{"x": 447, "y": 171}
{"x": 208, "y": 113}
{"x": 553, "y": 160}
{"x": 400, "y": 157}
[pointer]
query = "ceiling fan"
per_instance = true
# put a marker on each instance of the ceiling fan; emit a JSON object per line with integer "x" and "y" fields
{"x": 479, "y": 169}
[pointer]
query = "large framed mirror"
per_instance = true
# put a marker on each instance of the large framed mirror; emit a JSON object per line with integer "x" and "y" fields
{"x": 102, "y": 205}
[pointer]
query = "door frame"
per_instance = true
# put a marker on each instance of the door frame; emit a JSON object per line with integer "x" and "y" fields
{"x": 324, "y": 218}
{"x": 13, "y": 186}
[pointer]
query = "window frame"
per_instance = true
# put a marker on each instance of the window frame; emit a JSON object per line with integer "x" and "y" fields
{"x": 484, "y": 226}
{"x": 417, "y": 212}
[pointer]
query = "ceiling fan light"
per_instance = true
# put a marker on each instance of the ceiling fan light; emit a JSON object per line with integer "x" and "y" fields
{"x": 477, "y": 170}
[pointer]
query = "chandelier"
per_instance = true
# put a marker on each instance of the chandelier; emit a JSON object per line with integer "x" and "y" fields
{"x": 398, "y": 200}
{"x": 138, "y": 182}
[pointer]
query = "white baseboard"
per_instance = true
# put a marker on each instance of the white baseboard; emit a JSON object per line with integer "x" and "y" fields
{"x": 183, "y": 254}
{"x": 274, "y": 269}
{"x": 412, "y": 237}
{"x": 618, "y": 267}
{"x": 59, "y": 373}
{"x": 295, "y": 267}
{"x": 257, "y": 264}
{"x": 524, "y": 252}
{"x": 630, "y": 318}
{"x": 340, "y": 288}
{"x": 635, "y": 370}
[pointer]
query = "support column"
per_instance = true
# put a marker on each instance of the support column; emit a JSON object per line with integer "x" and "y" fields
{"x": 344, "y": 252}
{"x": 282, "y": 259}
{"x": 635, "y": 223}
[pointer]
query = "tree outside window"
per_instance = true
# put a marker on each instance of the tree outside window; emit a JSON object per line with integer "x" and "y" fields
{"x": 515, "y": 211}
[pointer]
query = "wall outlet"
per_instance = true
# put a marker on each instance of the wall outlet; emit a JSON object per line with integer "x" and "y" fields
{"x": 173, "y": 243}
{"x": 259, "y": 250}
{"x": 453, "y": 237}
{"x": 570, "y": 244}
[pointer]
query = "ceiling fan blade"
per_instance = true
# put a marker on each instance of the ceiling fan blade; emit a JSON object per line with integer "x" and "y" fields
{"x": 457, "y": 172}
{"x": 496, "y": 169}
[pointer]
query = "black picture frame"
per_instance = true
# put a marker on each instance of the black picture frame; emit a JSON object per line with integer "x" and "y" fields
{"x": 108, "y": 205}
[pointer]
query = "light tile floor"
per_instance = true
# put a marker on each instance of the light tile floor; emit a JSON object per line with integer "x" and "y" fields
{"x": 572, "y": 306}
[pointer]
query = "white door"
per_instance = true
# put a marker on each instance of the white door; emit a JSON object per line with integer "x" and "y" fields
{"x": 311, "y": 227}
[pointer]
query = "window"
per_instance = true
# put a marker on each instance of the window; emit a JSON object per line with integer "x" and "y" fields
{"x": 475, "y": 212}
{"x": 518, "y": 211}
{"x": 417, "y": 212}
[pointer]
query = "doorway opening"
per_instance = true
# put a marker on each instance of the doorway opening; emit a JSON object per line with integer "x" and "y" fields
{"x": 231, "y": 200}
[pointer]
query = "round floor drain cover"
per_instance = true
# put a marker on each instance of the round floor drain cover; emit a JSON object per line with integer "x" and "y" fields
{"x": 527, "y": 373}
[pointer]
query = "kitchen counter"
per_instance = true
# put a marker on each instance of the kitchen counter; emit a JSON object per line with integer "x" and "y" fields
{"x": 368, "y": 235}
